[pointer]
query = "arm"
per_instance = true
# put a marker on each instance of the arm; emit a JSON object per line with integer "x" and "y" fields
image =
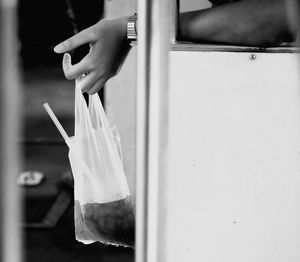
{"x": 245, "y": 22}
{"x": 248, "y": 22}
{"x": 108, "y": 50}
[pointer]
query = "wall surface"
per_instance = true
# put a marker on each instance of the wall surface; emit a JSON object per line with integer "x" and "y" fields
{"x": 233, "y": 157}
{"x": 120, "y": 92}
{"x": 120, "y": 95}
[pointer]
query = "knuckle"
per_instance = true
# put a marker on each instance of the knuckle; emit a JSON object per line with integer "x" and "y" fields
{"x": 70, "y": 42}
{"x": 90, "y": 66}
{"x": 102, "y": 74}
{"x": 94, "y": 90}
{"x": 89, "y": 33}
{"x": 85, "y": 88}
{"x": 68, "y": 75}
{"x": 93, "y": 34}
{"x": 88, "y": 63}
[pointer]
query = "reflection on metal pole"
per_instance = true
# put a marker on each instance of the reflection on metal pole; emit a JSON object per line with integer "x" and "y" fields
{"x": 11, "y": 238}
{"x": 152, "y": 91}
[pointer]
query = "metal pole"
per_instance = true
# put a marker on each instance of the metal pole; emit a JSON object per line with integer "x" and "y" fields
{"x": 11, "y": 238}
{"x": 152, "y": 111}
{"x": 293, "y": 14}
{"x": 143, "y": 87}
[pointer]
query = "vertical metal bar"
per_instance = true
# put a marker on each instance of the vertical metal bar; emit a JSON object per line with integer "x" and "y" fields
{"x": 175, "y": 5}
{"x": 152, "y": 107}
{"x": 293, "y": 14}
{"x": 11, "y": 237}
{"x": 143, "y": 87}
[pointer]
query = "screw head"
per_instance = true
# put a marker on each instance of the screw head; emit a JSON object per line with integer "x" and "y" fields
{"x": 252, "y": 57}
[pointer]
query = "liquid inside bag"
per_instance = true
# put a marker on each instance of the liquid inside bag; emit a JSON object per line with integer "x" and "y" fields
{"x": 110, "y": 223}
{"x": 103, "y": 208}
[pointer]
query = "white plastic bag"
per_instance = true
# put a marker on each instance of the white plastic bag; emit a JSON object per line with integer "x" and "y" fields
{"x": 103, "y": 209}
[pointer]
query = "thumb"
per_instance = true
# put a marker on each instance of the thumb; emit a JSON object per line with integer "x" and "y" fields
{"x": 83, "y": 37}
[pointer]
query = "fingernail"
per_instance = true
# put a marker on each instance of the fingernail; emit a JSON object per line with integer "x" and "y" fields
{"x": 59, "y": 48}
{"x": 66, "y": 55}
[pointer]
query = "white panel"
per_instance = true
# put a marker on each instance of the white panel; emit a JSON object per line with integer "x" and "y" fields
{"x": 234, "y": 158}
{"x": 191, "y": 5}
{"x": 120, "y": 96}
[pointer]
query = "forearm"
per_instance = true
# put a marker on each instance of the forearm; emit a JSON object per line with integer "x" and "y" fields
{"x": 252, "y": 22}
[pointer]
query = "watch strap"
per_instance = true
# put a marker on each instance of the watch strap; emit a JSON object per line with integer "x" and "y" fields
{"x": 131, "y": 30}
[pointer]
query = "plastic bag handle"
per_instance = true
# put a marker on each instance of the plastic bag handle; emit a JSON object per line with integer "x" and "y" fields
{"x": 94, "y": 101}
{"x": 66, "y": 138}
{"x": 80, "y": 104}
{"x": 97, "y": 103}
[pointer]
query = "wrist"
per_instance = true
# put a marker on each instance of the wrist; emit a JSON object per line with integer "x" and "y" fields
{"x": 121, "y": 26}
{"x": 126, "y": 28}
{"x": 132, "y": 30}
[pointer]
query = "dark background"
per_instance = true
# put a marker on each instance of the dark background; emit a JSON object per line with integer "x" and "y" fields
{"x": 42, "y": 25}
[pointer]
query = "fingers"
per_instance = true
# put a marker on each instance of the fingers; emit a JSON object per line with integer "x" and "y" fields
{"x": 90, "y": 83}
{"x": 83, "y": 37}
{"x": 87, "y": 82}
{"x": 97, "y": 86}
{"x": 73, "y": 71}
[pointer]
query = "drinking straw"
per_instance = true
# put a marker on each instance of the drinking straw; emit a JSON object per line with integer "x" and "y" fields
{"x": 55, "y": 121}
{"x": 66, "y": 138}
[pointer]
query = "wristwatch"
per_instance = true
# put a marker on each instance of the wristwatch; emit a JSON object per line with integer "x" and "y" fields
{"x": 131, "y": 30}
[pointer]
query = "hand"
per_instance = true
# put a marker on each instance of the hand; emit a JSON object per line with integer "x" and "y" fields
{"x": 108, "y": 50}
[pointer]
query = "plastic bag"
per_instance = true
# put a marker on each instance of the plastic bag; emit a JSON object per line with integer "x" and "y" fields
{"x": 103, "y": 209}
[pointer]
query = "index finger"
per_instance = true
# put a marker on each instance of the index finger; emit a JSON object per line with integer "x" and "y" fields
{"x": 83, "y": 37}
